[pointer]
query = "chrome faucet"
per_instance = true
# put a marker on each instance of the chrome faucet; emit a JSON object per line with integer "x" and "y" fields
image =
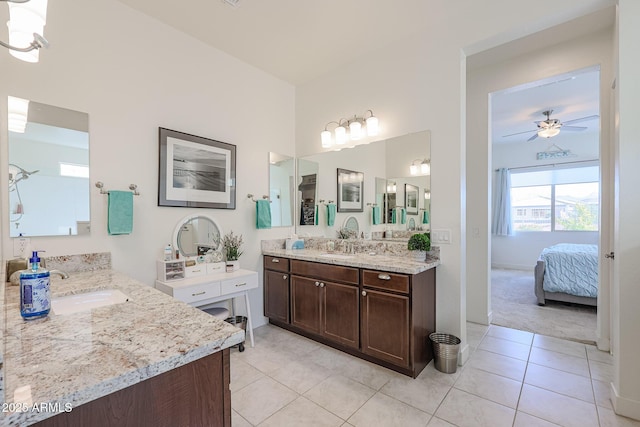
{"x": 15, "y": 277}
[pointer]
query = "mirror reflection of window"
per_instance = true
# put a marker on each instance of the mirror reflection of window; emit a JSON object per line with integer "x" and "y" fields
{"x": 48, "y": 171}
{"x": 281, "y": 189}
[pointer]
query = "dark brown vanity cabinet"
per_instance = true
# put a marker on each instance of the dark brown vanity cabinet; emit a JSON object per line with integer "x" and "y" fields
{"x": 382, "y": 317}
{"x": 276, "y": 288}
{"x": 323, "y": 306}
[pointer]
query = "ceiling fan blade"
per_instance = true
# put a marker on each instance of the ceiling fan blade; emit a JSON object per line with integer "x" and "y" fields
{"x": 581, "y": 119}
{"x": 535, "y": 135}
{"x": 574, "y": 128}
{"x": 520, "y": 133}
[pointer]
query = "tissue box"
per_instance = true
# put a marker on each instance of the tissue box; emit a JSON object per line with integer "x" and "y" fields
{"x": 297, "y": 244}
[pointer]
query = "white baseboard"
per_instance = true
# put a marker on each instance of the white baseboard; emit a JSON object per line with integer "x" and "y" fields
{"x": 463, "y": 356}
{"x": 603, "y": 344}
{"x": 623, "y": 406}
{"x": 513, "y": 267}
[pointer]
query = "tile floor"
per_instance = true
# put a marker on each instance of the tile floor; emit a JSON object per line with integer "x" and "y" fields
{"x": 513, "y": 378}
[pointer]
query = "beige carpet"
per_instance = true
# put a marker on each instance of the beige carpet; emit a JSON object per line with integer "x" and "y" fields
{"x": 514, "y": 305}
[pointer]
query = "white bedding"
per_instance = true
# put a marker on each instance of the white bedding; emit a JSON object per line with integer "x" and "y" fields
{"x": 571, "y": 268}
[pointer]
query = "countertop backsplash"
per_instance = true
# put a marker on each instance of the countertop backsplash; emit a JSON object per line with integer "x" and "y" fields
{"x": 380, "y": 247}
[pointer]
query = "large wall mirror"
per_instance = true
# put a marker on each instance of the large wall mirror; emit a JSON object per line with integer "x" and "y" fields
{"x": 281, "y": 189}
{"x": 48, "y": 170}
{"x": 389, "y": 167}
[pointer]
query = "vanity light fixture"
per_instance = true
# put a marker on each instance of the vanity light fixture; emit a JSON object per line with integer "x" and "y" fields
{"x": 420, "y": 167}
{"x": 18, "y": 109}
{"x": 391, "y": 188}
{"x": 427, "y": 194}
{"x": 27, "y": 19}
{"x": 355, "y": 129}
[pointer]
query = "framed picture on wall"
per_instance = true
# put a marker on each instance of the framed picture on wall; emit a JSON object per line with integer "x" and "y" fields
{"x": 350, "y": 191}
{"x": 411, "y": 199}
{"x": 196, "y": 172}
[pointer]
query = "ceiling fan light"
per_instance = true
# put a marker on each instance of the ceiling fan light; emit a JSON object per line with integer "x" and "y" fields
{"x": 548, "y": 132}
{"x": 325, "y": 137}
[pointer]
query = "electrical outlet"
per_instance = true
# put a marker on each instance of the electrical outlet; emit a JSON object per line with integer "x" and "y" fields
{"x": 20, "y": 246}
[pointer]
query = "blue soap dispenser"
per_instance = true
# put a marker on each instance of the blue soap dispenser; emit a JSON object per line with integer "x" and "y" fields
{"x": 35, "y": 296}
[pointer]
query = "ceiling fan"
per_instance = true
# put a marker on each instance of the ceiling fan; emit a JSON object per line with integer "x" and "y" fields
{"x": 551, "y": 127}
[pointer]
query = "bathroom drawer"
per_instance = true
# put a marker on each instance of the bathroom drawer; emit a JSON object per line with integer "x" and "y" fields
{"x": 216, "y": 267}
{"x": 195, "y": 270}
{"x": 199, "y": 292}
{"x": 335, "y": 273}
{"x": 276, "y": 263}
{"x": 239, "y": 284}
{"x": 385, "y": 281}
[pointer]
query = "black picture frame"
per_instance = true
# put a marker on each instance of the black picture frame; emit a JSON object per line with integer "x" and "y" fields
{"x": 196, "y": 172}
{"x": 411, "y": 199}
{"x": 350, "y": 191}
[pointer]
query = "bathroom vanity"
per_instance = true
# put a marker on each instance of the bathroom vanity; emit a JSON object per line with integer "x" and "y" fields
{"x": 379, "y": 308}
{"x": 150, "y": 360}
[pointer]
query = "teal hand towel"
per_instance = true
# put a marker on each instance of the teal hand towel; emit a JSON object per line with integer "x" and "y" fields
{"x": 316, "y": 216}
{"x": 376, "y": 215}
{"x": 425, "y": 217}
{"x": 263, "y": 214}
{"x": 331, "y": 214}
{"x": 394, "y": 219}
{"x": 120, "y": 212}
{"x": 403, "y": 216}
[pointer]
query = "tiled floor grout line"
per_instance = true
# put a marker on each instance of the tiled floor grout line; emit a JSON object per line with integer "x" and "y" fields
{"x": 524, "y": 376}
{"x": 593, "y": 391}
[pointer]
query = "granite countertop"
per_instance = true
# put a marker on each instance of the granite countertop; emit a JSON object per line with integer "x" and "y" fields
{"x": 75, "y": 358}
{"x": 390, "y": 263}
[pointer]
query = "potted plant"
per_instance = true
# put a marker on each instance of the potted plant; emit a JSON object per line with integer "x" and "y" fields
{"x": 419, "y": 244}
{"x": 231, "y": 244}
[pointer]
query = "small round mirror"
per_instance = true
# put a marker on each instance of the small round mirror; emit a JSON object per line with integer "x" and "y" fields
{"x": 351, "y": 224}
{"x": 197, "y": 235}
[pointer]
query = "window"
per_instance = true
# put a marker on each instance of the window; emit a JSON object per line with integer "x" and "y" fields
{"x": 75, "y": 171}
{"x": 555, "y": 199}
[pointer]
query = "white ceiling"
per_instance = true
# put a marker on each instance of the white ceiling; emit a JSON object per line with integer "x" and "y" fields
{"x": 570, "y": 96}
{"x": 294, "y": 40}
{"x": 299, "y": 40}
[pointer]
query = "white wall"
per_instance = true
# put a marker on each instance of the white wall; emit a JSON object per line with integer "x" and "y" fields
{"x": 521, "y": 251}
{"x": 133, "y": 74}
{"x": 419, "y": 84}
{"x": 626, "y": 292}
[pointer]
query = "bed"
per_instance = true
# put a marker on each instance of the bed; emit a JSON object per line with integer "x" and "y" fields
{"x": 567, "y": 272}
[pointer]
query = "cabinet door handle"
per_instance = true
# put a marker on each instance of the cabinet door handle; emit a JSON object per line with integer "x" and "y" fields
{"x": 322, "y": 285}
{"x": 317, "y": 283}
{"x": 275, "y": 260}
{"x": 364, "y": 293}
{"x": 199, "y": 293}
{"x": 384, "y": 277}
{"x": 284, "y": 277}
{"x": 241, "y": 284}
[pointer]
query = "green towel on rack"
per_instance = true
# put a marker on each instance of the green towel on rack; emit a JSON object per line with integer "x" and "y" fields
{"x": 263, "y": 214}
{"x": 376, "y": 215}
{"x": 403, "y": 216}
{"x": 315, "y": 217}
{"x": 425, "y": 217}
{"x": 120, "y": 212}
{"x": 331, "y": 214}
{"x": 394, "y": 219}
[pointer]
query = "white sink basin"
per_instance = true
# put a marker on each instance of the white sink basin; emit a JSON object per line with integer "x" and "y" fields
{"x": 86, "y": 301}
{"x": 336, "y": 256}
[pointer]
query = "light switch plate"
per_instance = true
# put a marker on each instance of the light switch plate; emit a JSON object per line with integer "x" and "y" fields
{"x": 442, "y": 237}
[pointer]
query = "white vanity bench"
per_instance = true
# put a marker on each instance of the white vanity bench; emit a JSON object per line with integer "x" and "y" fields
{"x": 206, "y": 289}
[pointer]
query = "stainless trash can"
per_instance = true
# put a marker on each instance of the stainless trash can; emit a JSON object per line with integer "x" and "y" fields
{"x": 445, "y": 352}
{"x": 239, "y": 322}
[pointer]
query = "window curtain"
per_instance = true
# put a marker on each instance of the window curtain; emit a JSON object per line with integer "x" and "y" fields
{"x": 501, "y": 222}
